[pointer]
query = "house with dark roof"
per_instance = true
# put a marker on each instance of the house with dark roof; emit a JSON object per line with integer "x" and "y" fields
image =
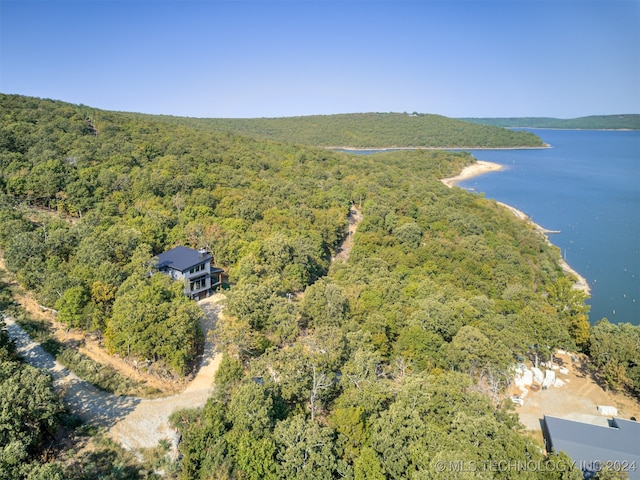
{"x": 593, "y": 447}
{"x": 194, "y": 268}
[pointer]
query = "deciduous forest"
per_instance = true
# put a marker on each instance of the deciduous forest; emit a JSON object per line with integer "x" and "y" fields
{"x": 367, "y": 130}
{"x": 375, "y": 367}
{"x": 612, "y": 122}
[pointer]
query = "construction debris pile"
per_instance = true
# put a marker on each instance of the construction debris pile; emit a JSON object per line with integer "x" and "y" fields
{"x": 534, "y": 378}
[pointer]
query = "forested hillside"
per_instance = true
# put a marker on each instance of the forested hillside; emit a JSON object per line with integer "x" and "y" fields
{"x": 368, "y": 130}
{"x": 594, "y": 122}
{"x": 378, "y": 367}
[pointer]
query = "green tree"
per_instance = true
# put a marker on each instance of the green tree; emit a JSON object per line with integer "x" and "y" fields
{"x": 25, "y": 255}
{"x": 324, "y": 304}
{"x": 572, "y": 309}
{"x": 615, "y": 352}
{"x": 418, "y": 347}
{"x": 409, "y": 234}
{"x": 72, "y": 307}
{"x": 153, "y": 319}
{"x": 203, "y": 445}
{"x": 471, "y": 351}
{"x": 254, "y": 456}
{"x": 29, "y": 412}
{"x": 251, "y": 303}
{"x": 367, "y": 466}
{"x": 304, "y": 449}
{"x": 251, "y": 409}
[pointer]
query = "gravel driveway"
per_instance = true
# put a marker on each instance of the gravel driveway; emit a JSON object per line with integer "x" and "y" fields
{"x": 132, "y": 422}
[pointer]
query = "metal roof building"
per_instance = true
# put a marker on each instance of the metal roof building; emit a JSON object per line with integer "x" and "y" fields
{"x": 182, "y": 258}
{"x": 194, "y": 268}
{"x": 593, "y": 446}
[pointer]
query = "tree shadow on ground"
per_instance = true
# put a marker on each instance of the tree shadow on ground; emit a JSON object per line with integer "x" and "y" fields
{"x": 587, "y": 370}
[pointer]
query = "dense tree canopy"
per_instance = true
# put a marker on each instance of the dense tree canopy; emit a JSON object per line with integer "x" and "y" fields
{"x": 615, "y": 352}
{"x": 375, "y": 367}
{"x": 153, "y": 319}
{"x": 369, "y": 130}
{"x": 630, "y": 121}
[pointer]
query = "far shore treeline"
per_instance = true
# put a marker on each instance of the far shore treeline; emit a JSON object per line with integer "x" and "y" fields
{"x": 368, "y": 130}
{"x": 593, "y": 122}
{"x": 376, "y": 367}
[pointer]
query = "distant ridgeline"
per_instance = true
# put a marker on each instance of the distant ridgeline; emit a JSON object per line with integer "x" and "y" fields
{"x": 368, "y": 130}
{"x": 594, "y": 122}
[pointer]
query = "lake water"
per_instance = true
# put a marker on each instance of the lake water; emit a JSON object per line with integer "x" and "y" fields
{"x": 588, "y": 187}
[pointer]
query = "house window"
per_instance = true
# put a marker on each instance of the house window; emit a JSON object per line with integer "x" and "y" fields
{"x": 198, "y": 284}
{"x": 199, "y": 268}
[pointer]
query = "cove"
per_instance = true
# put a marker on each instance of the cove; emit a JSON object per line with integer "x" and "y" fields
{"x": 587, "y": 186}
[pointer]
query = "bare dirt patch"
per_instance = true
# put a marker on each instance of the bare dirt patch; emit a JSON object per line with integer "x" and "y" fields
{"x": 577, "y": 399}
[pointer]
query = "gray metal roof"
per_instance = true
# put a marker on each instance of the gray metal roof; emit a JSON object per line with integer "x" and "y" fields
{"x": 587, "y": 444}
{"x": 182, "y": 258}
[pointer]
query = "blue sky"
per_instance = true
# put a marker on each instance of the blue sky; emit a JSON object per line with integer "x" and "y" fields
{"x": 208, "y": 58}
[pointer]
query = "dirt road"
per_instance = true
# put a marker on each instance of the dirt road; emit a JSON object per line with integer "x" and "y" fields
{"x": 132, "y": 422}
{"x": 344, "y": 249}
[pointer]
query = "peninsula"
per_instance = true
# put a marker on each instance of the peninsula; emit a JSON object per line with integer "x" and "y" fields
{"x": 481, "y": 167}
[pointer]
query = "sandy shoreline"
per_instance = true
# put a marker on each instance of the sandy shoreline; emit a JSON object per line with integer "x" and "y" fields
{"x": 480, "y": 167}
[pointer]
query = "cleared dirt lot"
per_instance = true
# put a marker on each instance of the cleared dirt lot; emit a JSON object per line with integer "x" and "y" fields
{"x": 577, "y": 399}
